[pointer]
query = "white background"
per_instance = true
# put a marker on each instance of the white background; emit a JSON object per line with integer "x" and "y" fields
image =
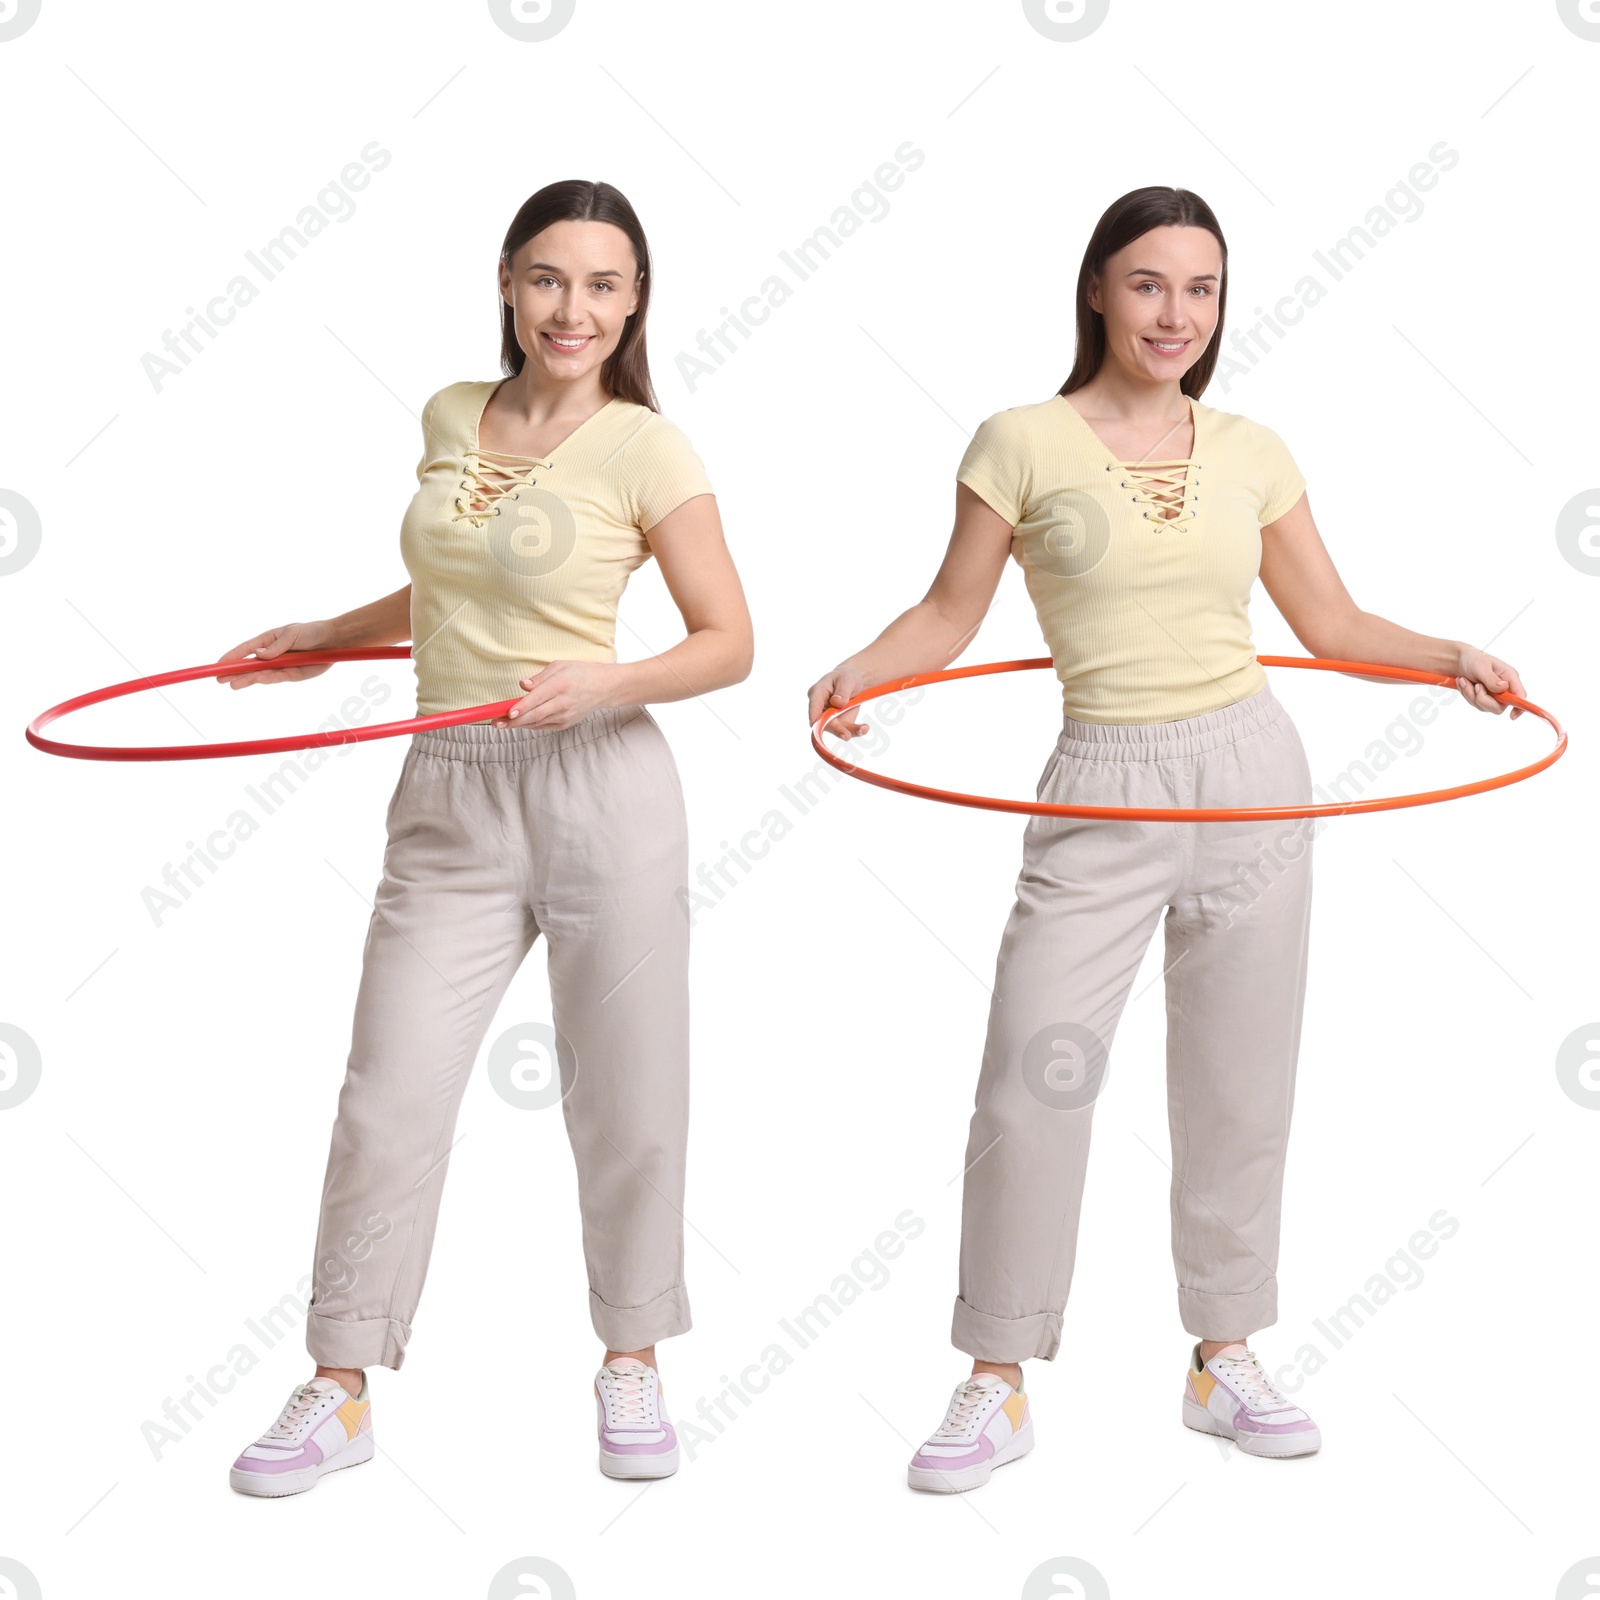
{"x": 160, "y": 1183}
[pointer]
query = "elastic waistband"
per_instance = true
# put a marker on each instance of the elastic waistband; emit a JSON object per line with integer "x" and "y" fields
{"x": 1148, "y": 741}
{"x": 483, "y": 741}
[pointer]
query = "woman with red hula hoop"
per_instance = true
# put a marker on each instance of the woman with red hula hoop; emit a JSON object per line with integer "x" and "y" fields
{"x": 1141, "y": 519}
{"x": 559, "y": 812}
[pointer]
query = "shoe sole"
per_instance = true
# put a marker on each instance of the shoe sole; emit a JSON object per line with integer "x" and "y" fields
{"x": 662, "y": 1466}
{"x": 275, "y": 1485}
{"x": 935, "y": 1481}
{"x": 1277, "y": 1446}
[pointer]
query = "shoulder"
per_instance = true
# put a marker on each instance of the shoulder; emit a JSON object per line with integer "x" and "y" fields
{"x": 641, "y": 422}
{"x": 646, "y": 435}
{"x": 458, "y": 402}
{"x": 1004, "y": 447}
{"x": 1240, "y": 433}
{"x": 1024, "y": 421}
{"x": 659, "y": 469}
{"x": 465, "y": 392}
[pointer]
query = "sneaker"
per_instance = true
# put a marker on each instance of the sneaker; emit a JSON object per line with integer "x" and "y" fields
{"x": 636, "y": 1439}
{"x": 1231, "y": 1396}
{"x": 986, "y": 1426}
{"x": 320, "y": 1430}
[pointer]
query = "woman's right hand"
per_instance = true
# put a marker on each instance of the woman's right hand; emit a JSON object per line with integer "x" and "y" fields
{"x": 834, "y": 689}
{"x": 276, "y": 642}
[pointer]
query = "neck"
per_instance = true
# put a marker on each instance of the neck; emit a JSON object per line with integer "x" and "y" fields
{"x": 538, "y": 398}
{"x": 1116, "y": 394}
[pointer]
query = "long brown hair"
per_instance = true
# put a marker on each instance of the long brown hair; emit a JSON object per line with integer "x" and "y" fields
{"x": 1123, "y": 221}
{"x": 626, "y": 373}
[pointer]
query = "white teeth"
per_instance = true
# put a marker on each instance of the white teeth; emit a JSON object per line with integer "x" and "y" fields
{"x": 569, "y": 344}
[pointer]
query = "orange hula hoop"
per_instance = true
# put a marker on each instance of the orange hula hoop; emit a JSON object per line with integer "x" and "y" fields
{"x": 1360, "y": 669}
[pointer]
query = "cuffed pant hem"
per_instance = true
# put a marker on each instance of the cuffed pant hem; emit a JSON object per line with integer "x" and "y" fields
{"x": 356, "y": 1342}
{"x": 639, "y": 1327}
{"x": 989, "y": 1338}
{"x": 1228, "y": 1316}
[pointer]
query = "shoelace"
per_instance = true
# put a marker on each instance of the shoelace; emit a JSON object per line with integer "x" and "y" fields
{"x": 491, "y": 483}
{"x": 297, "y": 1410}
{"x": 964, "y": 1406}
{"x": 1257, "y": 1387}
{"x": 626, "y": 1389}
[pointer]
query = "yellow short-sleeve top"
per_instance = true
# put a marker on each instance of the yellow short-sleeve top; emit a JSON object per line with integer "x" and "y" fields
{"x": 1147, "y": 620}
{"x": 518, "y": 561}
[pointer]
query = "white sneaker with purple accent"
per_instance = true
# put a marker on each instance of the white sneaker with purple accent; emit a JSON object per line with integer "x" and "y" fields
{"x": 321, "y": 1429}
{"x": 1231, "y": 1396}
{"x": 986, "y": 1426}
{"x": 636, "y": 1438}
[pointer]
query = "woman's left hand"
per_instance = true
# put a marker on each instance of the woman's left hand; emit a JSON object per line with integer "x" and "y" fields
{"x": 1480, "y": 676}
{"x": 559, "y": 694}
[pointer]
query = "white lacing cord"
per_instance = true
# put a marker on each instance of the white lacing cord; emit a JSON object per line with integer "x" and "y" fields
{"x": 298, "y": 1409}
{"x": 963, "y": 1409}
{"x": 1246, "y": 1371}
{"x": 626, "y": 1391}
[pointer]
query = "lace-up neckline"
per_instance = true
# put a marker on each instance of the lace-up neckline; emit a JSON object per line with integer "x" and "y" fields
{"x": 492, "y": 476}
{"x": 487, "y": 482}
{"x": 1166, "y": 490}
{"x": 1162, "y": 487}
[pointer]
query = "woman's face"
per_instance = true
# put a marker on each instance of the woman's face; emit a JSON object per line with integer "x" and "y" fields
{"x": 1158, "y": 296}
{"x": 571, "y": 289}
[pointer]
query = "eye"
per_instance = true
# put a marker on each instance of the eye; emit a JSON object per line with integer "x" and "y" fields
{"x": 602, "y": 284}
{"x": 544, "y": 278}
{"x": 1150, "y": 285}
{"x": 1204, "y": 288}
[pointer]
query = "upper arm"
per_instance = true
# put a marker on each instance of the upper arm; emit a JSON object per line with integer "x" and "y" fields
{"x": 671, "y": 499}
{"x": 1299, "y": 575}
{"x": 963, "y": 588}
{"x": 992, "y": 487}
{"x": 698, "y": 568}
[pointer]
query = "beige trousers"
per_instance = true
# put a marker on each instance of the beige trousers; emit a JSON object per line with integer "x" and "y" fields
{"x": 1234, "y": 899}
{"x": 497, "y": 835}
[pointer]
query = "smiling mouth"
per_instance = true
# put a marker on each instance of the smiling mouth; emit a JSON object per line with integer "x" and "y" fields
{"x": 1168, "y": 347}
{"x": 575, "y": 343}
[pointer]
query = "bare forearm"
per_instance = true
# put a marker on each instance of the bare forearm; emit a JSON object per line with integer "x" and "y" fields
{"x": 385, "y": 621}
{"x": 709, "y": 658}
{"x": 922, "y": 639}
{"x": 1361, "y": 636}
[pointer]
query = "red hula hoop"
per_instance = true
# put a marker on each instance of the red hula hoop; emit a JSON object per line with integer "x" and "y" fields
{"x": 247, "y": 747}
{"x": 1360, "y": 669}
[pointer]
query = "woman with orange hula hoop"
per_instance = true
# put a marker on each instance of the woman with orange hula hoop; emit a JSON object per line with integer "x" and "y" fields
{"x": 1140, "y": 519}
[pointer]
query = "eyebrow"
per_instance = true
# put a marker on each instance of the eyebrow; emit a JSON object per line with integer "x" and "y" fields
{"x": 1150, "y": 272}
{"x": 545, "y": 266}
